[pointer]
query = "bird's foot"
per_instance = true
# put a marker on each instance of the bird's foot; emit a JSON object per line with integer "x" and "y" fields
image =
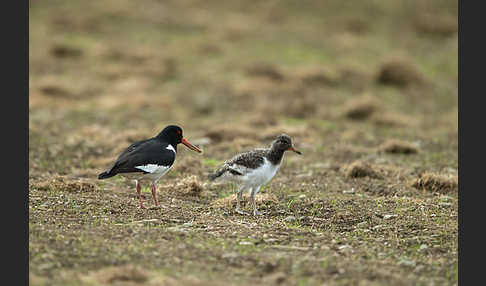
{"x": 142, "y": 206}
{"x": 241, "y": 212}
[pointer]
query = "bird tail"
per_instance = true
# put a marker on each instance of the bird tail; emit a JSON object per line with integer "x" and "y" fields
{"x": 105, "y": 174}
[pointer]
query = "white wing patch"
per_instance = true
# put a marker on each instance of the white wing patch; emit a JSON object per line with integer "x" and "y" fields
{"x": 153, "y": 168}
{"x": 170, "y": 147}
{"x": 153, "y": 171}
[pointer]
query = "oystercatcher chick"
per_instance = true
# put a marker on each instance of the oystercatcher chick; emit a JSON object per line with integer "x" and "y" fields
{"x": 251, "y": 170}
{"x": 149, "y": 159}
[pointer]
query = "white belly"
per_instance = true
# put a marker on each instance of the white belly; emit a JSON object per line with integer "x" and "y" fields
{"x": 155, "y": 172}
{"x": 261, "y": 175}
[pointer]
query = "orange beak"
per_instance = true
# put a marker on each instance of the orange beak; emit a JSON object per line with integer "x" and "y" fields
{"x": 190, "y": 146}
{"x": 296, "y": 151}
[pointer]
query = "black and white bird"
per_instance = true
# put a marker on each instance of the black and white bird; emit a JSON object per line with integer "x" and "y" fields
{"x": 149, "y": 159}
{"x": 252, "y": 169}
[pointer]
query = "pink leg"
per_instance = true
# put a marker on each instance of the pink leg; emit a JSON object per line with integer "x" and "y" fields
{"x": 154, "y": 194}
{"x": 139, "y": 196}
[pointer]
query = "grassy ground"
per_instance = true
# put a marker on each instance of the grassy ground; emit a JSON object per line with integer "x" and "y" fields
{"x": 366, "y": 89}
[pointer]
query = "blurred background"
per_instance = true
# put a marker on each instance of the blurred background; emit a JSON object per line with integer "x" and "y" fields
{"x": 105, "y": 71}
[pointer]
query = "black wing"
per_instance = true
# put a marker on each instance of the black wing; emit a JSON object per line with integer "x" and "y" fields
{"x": 241, "y": 163}
{"x": 252, "y": 159}
{"x": 150, "y": 151}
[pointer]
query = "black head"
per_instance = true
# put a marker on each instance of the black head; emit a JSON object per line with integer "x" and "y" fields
{"x": 173, "y": 135}
{"x": 284, "y": 143}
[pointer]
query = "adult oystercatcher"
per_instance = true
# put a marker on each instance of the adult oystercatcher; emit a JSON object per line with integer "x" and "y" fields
{"x": 149, "y": 159}
{"x": 252, "y": 169}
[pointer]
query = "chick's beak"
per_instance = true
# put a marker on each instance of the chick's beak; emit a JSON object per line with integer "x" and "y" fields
{"x": 190, "y": 146}
{"x": 295, "y": 150}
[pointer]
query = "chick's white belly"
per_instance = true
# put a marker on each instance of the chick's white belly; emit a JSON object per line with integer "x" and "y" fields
{"x": 261, "y": 175}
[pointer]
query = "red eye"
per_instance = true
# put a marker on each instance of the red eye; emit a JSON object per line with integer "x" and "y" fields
{"x": 178, "y": 132}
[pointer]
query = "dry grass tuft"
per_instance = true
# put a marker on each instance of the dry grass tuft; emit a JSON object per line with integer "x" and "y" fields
{"x": 400, "y": 72}
{"x": 63, "y": 184}
{"x": 239, "y": 145}
{"x": 263, "y": 120}
{"x": 276, "y": 278}
{"x": 305, "y": 107}
{"x": 228, "y": 133}
{"x": 436, "y": 182}
{"x": 354, "y": 76}
{"x": 361, "y": 108}
{"x": 189, "y": 186}
{"x": 35, "y": 280}
{"x": 360, "y": 169}
{"x": 292, "y": 101}
{"x": 118, "y": 275}
{"x": 439, "y": 25}
{"x": 128, "y": 275}
{"x": 393, "y": 119}
{"x": 56, "y": 91}
{"x": 395, "y": 146}
{"x": 257, "y": 86}
{"x": 317, "y": 76}
{"x": 266, "y": 70}
{"x": 64, "y": 51}
{"x": 188, "y": 164}
{"x": 357, "y": 25}
{"x": 270, "y": 133}
{"x": 134, "y": 101}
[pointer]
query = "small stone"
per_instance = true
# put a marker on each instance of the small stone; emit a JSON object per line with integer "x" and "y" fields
{"x": 362, "y": 224}
{"x": 445, "y": 198}
{"x": 304, "y": 175}
{"x": 419, "y": 268}
{"x": 349, "y": 191}
{"x": 229, "y": 255}
{"x": 406, "y": 262}
{"x": 345, "y": 248}
{"x": 389, "y": 216}
{"x": 276, "y": 278}
{"x": 423, "y": 247}
{"x": 445, "y": 204}
{"x": 246, "y": 243}
{"x": 290, "y": 218}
